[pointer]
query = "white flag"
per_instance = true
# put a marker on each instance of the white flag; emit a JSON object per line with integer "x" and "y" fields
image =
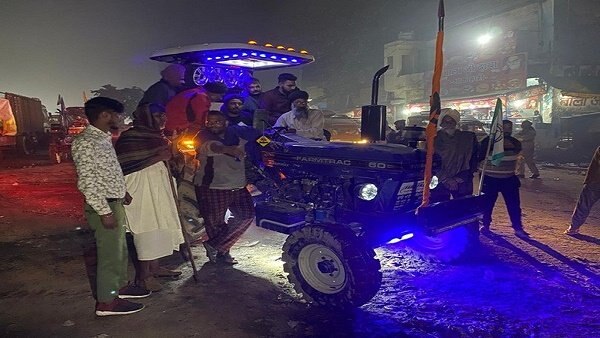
{"x": 497, "y": 135}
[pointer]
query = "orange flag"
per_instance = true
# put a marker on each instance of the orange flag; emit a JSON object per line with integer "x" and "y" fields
{"x": 435, "y": 104}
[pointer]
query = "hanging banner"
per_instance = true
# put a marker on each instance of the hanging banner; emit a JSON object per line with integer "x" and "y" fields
{"x": 483, "y": 75}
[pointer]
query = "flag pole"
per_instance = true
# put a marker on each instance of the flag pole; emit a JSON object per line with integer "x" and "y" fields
{"x": 435, "y": 105}
{"x": 487, "y": 152}
{"x": 491, "y": 140}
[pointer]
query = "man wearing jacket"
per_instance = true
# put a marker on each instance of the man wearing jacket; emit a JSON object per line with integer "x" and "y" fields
{"x": 276, "y": 101}
{"x": 501, "y": 178}
{"x": 172, "y": 78}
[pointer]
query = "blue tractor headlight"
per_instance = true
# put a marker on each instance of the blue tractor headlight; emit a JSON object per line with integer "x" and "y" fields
{"x": 434, "y": 182}
{"x": 367, "y": 192}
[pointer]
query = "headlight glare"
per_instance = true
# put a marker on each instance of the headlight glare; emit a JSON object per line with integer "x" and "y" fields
{"x": 434, "y": 182}
{"x": 367, "y": 192}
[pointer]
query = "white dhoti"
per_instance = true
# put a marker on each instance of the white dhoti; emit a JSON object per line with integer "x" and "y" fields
{"x": 152, "y": 214}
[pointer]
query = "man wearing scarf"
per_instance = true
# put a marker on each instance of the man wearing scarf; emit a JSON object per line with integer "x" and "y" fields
{"x": 153, "y": 219}
{"x": 306, "y": 122}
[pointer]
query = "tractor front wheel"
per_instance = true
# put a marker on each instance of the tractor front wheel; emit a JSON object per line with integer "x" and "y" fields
{"x": 331, "y": 267}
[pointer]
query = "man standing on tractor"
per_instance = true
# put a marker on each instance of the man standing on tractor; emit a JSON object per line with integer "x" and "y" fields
{"x": 232, "y": 109}
{"x": 172, "y": 78}
{"x": 188, "y": 109}
{"x": 276, "y": 101}
{"x": 255, "y": 93}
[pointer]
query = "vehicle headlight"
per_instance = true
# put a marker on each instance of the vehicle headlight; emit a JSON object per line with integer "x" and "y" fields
{"x": 367, "y": 192}
{"x": 434, "y": 182}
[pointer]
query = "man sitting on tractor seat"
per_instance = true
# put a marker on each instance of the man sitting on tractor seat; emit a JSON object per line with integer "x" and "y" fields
{"x": 305, "y": 121}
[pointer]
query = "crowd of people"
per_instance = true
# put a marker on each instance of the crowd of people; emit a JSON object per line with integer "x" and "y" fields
{"x": 129, "y": 189}
{"x": 130, "y": 193}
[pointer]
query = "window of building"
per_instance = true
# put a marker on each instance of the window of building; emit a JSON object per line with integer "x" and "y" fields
{"x": 407, "y": 64}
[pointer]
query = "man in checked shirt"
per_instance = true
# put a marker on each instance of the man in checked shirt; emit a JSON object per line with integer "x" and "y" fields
{"x": 101, "y": 181}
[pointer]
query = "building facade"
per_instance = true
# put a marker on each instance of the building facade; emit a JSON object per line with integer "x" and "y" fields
{"x": 534, "y": 55}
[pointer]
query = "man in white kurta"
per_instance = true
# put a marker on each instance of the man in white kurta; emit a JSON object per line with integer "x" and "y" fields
{"x": 306, "y": 122}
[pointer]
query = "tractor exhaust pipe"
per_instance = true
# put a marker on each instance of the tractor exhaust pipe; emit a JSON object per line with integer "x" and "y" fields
{"x": 373, "y": 122}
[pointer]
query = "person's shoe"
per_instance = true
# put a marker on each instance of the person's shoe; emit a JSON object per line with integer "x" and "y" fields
{"x": 521, "y": 176}
{"x": 225, "y": 258}
{"x": 151, "y": 284}
{"x": 211, "y": 252}
{"x": 571, "y": 231}
{"x": 534, "y": 176}
{"x": 521, "y": 233}
{"x": 164, "y": 272}
{"x": 133, "y": 291}
{"x": 117, "y": 307}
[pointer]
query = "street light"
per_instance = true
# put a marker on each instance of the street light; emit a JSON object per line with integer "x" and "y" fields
{"x": 484, "y": 39}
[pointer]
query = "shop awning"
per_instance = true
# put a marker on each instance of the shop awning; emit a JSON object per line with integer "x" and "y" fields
{"x": 576, "y": 86}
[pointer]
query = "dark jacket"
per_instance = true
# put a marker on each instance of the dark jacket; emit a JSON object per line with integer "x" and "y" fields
{"x": 506, "y": 169}
{"x": 244, "y": 117}
{"x": 159, "y": 93}
{"x": 252, "y": 103}
{"x": 459, "y": 153}
{"x": 276, "y": 103}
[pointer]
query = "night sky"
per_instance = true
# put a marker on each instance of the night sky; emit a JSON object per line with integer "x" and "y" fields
{"x": 68, "y": 46}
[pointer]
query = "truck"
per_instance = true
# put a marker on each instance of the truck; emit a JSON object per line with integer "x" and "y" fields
{"x": 63, "y": 128}
{"x": 21, "y": 123}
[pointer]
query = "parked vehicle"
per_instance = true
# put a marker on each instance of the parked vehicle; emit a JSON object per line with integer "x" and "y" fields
{"x": 343, "y": 128}
{"x": 21, "y": 123}
{"x": 336, "y": 201}
{"x": 63, "y": 128}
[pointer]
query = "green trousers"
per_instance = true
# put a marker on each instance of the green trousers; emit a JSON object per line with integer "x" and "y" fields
{"x": 109, "y": 254}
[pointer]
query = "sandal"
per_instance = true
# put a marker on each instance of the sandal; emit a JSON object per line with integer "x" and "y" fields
{"x": 164, "y": 272}
{"x": 225, "y": 258}
{"x": 152, "y": 284}
{"x": 211, "y": 252}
